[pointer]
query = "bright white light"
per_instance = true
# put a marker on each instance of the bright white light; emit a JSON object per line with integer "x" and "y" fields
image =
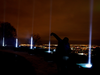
{"x": 49, "y": 52}
{"x": 3, "y": 43}
{"x": 85, "y": 65}
{"x": 16, "y": 43}
{"x": 88, "y": 65}
{"x": 49, "y": 47}
{"x": 80, "y": 53}
{"x": 31, "y": 46}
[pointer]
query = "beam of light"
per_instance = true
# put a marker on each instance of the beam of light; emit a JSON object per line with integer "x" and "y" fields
{"x": 3, "y": 43}
{"x": 50, "y": 25}
{"x": 31, "y": 46}
{"x": 90, "y": 34}
{"x": 16, "y": 43}
{"x": 49, "y": 48}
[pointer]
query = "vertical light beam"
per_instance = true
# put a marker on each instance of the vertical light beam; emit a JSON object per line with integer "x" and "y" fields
{"x": 31, "y": 46}
{"x": 90, "y": 34}
{"x": 16, "y": 43}
{"x": 50, "y": 24}
{"x": 3, "y": 43}
{"x": 49, "y": 48}
{"x": 18, "y": 23}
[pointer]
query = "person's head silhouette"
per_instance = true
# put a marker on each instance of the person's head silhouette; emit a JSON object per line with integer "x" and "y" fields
{"x": 65, "y": 40}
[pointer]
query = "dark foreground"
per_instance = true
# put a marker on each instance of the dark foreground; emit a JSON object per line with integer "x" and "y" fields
{"x": 20, "y": 62}
{"x": 14, "y": 64}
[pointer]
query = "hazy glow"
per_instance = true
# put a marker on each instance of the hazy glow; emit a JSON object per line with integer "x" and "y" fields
{"x": 3, "y": 43}
{"x": 16, "y": 43}
{"x": 49, "y": 52}
{"x": 31, "y": 46}
{"x": 85, "y": 65}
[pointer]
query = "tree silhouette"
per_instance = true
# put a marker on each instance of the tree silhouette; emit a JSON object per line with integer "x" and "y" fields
{"x": 37, "y": 39}
{"x": 8, "y": 32}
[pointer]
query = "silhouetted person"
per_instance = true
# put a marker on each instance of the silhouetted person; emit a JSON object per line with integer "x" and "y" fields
{"x": 62, "y": 52}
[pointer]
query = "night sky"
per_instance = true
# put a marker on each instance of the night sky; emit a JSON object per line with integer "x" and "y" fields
{"x": 69, "y": 18}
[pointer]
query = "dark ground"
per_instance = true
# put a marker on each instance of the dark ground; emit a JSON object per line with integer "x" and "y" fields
{"x": 20, "y": 62}
{"x": 15, "y": 64}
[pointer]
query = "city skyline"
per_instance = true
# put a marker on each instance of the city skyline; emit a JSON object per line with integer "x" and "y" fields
{"x": 68, "y": 19}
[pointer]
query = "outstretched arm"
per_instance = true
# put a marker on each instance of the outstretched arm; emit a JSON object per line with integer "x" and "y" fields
{"x": 58, "y": 38}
